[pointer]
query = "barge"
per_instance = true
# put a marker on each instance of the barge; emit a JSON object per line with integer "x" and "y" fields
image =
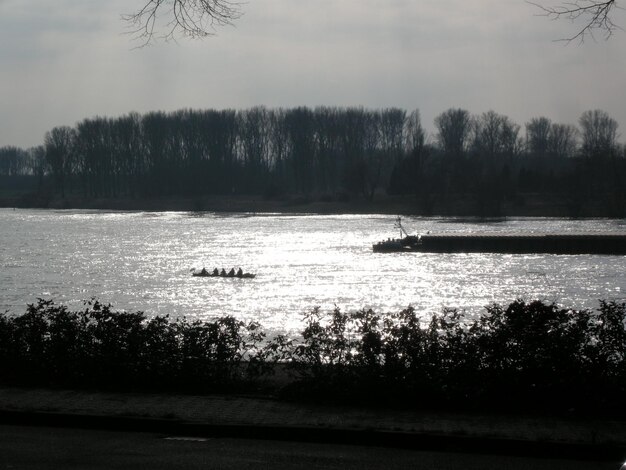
{"x": 569, "y": 244}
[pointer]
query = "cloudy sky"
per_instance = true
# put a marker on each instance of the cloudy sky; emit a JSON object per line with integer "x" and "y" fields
{"x": 65, "y": 60}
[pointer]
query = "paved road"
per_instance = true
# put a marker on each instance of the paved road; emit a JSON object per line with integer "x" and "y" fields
{"x": 23, "y": 447}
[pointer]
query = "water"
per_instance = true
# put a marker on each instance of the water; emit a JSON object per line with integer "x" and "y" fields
{"x": 142, "y": 261}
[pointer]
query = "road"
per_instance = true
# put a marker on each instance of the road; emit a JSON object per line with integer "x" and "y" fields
{"x": 23, "y": 447}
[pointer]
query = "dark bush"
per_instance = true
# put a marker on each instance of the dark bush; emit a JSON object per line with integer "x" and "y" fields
{"x": 102, "y": 348}
{"x": 525, "y": 357}
{"x": 528, "y": 356}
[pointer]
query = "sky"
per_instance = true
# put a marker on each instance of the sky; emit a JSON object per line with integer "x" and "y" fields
{"x": 62, "y": 61}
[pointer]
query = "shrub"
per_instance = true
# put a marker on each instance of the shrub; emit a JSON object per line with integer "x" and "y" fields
{"x": 102, "y": 348}
{"x": 527, "y": 356}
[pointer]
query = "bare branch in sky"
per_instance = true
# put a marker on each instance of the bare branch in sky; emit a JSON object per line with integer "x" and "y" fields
{"x": 189, "y": 18}
{"x": 594, "y": 16}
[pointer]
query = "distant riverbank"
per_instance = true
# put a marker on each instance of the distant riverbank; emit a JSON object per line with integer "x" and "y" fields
{"x": 529, "y": 205}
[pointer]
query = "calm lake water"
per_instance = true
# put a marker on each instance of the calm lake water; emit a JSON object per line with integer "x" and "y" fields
{"x": 142, "y": 261}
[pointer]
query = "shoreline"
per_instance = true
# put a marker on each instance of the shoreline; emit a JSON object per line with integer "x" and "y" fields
{"x": 383, "y": 204}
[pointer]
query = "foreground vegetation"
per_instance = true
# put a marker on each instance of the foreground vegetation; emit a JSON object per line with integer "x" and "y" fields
{"x": 527, "y": 356}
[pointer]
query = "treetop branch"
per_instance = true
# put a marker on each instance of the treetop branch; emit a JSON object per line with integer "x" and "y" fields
{"x": 189, "y": 18}
{"x": 595, "y": 16}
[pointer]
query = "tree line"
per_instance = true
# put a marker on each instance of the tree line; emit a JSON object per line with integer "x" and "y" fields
{"x": 331, "y": 152}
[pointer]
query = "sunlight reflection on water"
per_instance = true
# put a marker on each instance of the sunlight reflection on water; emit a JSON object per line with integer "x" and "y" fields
{"x": 142, "y": 261}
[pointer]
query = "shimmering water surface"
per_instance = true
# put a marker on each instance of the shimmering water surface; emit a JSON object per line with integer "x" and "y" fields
{"x": 142, "y": 261}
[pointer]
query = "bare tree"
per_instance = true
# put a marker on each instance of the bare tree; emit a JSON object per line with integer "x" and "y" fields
{"x": 563, "y": 140}
{"x": 538, "y": 136}
{"x": 189, "y": 18}
{"x": 547, "y": 139}
{"x": 593, "y": 15}
{"x": 59, "y": 146}
{"x": 599, "y": 134}
{"x": 453, "y": 131}
{"x": 495, "y": 136}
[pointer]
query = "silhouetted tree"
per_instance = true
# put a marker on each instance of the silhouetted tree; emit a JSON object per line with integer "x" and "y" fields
{"x": 495, "y": 136}
{"x": 328, "y": 138}
{"x": 454, "y": 128}
{"x": 299, "y": 123}
{"x": 415, "y": 151}
{"x": 95, "y": 157}
{"x": 59, "y": 145}
{"x": 155, "y": 131}
{"x": 352, "y": 126}
{"x": 599, "y": 134}
{"x": 37, "y": 163}
{"x": 253, "y": 125}
{"x": 563, "y": 140}
{"x": 495, "y": 143}
{"x": 278, "y": 154}
{"x": 128, "y": 143}
{"x": 221, "y": 134}
{"x": 544, "y": 168}
{"x": 538, "y": 136}
{"x": 453, "y": 131}
{"x": 374, "y": 163}
{"x": 13, "y": 161}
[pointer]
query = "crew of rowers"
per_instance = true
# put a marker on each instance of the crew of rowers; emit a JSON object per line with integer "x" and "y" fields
{"x": 222, "y": 273}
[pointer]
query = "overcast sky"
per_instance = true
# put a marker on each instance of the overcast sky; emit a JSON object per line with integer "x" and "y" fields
{"x": 65, "y": 60}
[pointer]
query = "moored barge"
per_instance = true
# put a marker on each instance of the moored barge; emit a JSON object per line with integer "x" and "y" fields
{"x": 576, "y": 243}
